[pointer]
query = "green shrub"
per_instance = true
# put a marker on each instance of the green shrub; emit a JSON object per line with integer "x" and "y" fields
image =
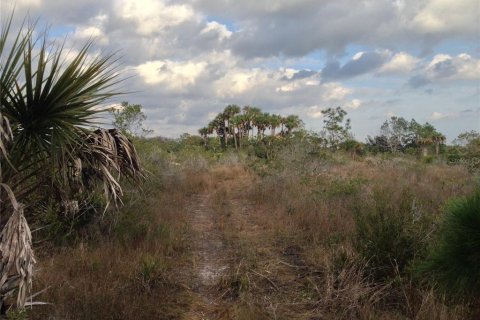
{"x": 454, "y": 263}
{"x": 428, "y": 159}
{"x": 389, "y": 234}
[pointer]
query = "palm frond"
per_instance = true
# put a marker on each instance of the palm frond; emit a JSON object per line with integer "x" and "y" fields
{"x": 55, "y": 99}
{"x": 108, "y": 154}
{"x": 17, "y": 258}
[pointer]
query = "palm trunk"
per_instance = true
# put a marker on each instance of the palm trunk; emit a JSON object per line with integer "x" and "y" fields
{"x": 240, "y": 136}
{"x": 225, "y": 138}
{"x": 235, "y": 138}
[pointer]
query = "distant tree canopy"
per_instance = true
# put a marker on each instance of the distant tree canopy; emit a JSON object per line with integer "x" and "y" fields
{"x": 399, "y": 135}
{"x": 466, "y": 150}
{"x": 337, "y": 132}
{"x": 237, "y": 125}
{"x": 129, "y": 118}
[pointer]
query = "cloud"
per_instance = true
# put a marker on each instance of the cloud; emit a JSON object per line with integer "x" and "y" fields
{"x": 174, "y": 75}
{"x": 190, "y": 58}
{"x": 437, "y": 116}
{"x": 220, "y": 30}
{"x": 335, "y": 92}
{"x": 295, "y": 28}
{"x": 93, "y": 30}
{"x": 446, "y": 17}
{"x": 400, "y": 63}
{"x": 315, "y": 112}
{"x": 444, "y": 67}
{"x": 153, "y": 16}
{"x": 361, "y": 63}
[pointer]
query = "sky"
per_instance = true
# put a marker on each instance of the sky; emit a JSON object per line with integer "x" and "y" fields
{"x": 184, "y": 61}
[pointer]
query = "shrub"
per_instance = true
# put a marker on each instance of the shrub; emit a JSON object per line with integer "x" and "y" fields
{"x": 388, "y": 234}
{"x": 453, "y": 264}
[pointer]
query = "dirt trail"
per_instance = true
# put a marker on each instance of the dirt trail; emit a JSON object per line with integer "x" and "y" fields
{"x": 212, "y": 254}
{"x": 210, "y": 260}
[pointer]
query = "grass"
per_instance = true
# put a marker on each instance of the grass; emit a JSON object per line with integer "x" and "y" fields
{"x": 307, "y": 237}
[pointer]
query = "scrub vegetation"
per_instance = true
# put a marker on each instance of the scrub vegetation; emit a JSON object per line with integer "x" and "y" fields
{"x": 254, "y": 218}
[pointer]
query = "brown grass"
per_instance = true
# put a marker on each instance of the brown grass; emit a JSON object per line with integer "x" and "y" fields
{"x": 291, "y": 233}
{"x": 294, "y": 232}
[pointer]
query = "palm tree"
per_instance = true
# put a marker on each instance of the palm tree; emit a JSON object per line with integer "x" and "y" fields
{"x": 251, "y": 113}
{"x": 229, "y": 112}
{"x": 204, "y": 134}
{"x": 262, "y": 122}
{"x": 438, "y": 139}
{"x": 292, "y": 122}
{"x": 49, "y": 153}
{"x": 275, "y": 121}
{"x": 239, "y": 123}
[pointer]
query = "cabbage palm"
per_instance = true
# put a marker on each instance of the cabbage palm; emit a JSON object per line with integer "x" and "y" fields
{"x": 48, "y": 152}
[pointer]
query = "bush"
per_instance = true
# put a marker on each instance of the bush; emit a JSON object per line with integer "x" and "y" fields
{"x": 453, "y": 264}
{"x": 389, "y": 235}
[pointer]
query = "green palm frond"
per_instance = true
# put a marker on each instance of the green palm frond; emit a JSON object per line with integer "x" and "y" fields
{"x": 10, "y": 67}
{"x": 50, "y": 102}
{"x": 56, "y": 99}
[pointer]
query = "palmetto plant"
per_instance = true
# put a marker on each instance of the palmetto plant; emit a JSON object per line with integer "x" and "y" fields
{"x": 48, "y": 104}
{"x": 453, "y": 263}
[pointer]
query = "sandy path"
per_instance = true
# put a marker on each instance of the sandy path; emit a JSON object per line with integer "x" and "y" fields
{"x": 210, "y": 261}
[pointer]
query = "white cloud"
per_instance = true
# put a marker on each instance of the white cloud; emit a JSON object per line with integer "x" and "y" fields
{"x": 401, "y": 62}
{"x": 238, "y": 81}
{"x": 91, "y": 32}
{"x": 460, "y": 67}
{"x": 353, "y": 104}
{"x": 357, "y": 55}
{"x": 437, "y": 116}
{"x": 335, "y": 92}
{"x": 289, "y": 72}
{"x": 446, "y": 16}
{"x": 152, "y": 16}
{"x": 173, "y": 75}
{"x": 315, "y": 112}
{"x": 220, "y": 29}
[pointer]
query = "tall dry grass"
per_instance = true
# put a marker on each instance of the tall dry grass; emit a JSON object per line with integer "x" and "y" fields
{"x": 337, "y": 239}
{"x": 133, "y": 264}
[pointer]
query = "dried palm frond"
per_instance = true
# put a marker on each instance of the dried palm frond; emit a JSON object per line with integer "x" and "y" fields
{"x": 98, "y": 164}
{"x": 17, "y": 258}
{"x": 125, "y": 154}
{"x": 5, "y": 134}
{"x": 70, "y": 207}
{"x": 106, "y": 156}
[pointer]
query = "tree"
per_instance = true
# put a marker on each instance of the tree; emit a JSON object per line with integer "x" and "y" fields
{"x": 438, "y": 139}
{"x": 337, "y": 130}
{"x": 396, "y": 133}
{"x": 275, "y": 122}
{"x": 251, "y": 113}
{"x": 466, "y": 138}
{"x": 425, "y": 135}
{"x": 204, "y": 134}
{"x": 129, "y": 118}
{"x": 47, "y": 104}
{"x": 292, "y": 122}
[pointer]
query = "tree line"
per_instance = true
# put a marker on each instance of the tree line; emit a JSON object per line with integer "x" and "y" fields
{"x": 400, "y": 135}
{"x": 237, "y": 125}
